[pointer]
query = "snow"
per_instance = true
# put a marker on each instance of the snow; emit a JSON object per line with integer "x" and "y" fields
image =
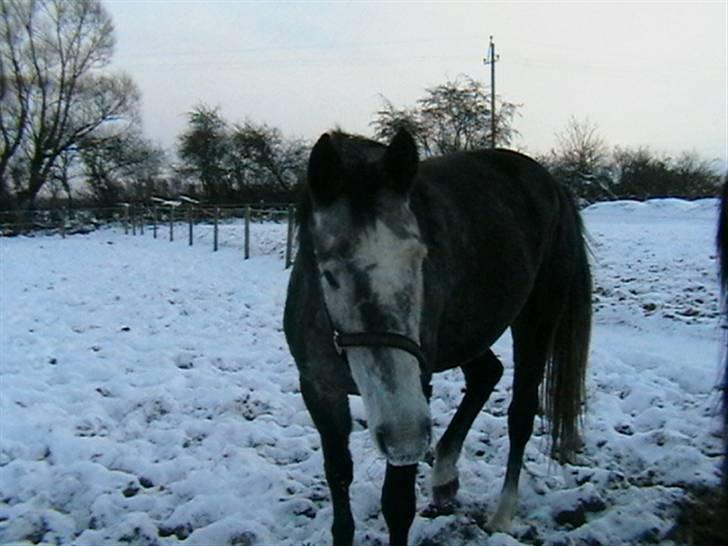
{"x": 147, "y": 397}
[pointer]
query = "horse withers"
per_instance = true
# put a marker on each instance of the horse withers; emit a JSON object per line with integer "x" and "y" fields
{"x": 406, "y": 268}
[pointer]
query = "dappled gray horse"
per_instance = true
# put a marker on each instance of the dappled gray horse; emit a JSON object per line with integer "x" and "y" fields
{"x": 722, "y": 244}
{"x": 408, "y": 268}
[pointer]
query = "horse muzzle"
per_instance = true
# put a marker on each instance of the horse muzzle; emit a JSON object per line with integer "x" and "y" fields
{"x": 404, "y": 446}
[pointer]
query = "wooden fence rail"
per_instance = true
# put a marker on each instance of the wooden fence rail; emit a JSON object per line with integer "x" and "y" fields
{"x": 136, "y": 218}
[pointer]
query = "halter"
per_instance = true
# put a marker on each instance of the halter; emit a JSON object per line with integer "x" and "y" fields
{"x": 391, "y": 340}
{"x": 380, "y": 339}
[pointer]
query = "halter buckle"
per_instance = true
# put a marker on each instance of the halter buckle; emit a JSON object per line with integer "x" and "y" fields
{"x": 338, "y": 348}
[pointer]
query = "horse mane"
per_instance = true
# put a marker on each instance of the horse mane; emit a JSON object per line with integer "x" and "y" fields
{"x": 356, "y": 149}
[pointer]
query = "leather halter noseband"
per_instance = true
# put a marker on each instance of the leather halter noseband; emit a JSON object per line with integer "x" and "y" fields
{"x": 376, "y": 340}
{"x": 390, "y": 340}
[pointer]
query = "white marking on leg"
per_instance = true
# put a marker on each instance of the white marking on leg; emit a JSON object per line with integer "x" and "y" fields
{"x": 503, "y": 517}
{"x": 445, "y": 470}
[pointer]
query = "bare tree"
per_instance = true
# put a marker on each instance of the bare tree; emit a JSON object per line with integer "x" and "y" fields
{"x": 53, "y": 53}
{"x": 120, "y": 167}
{"x": 581, "y": 160}
{"x": 264, "y": 157}
{"x": 389, "y": 120}
{"x": 451, "y": 116}
{"x": 581, "y": 145}
{"x": 14, "y": 89}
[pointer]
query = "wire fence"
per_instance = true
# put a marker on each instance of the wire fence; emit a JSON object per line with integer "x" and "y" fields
{"x": 186, "y": 220}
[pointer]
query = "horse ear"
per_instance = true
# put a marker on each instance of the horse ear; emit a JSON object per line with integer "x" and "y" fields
{"x": 400, "y": 161}
{"x": 325, "y": 171}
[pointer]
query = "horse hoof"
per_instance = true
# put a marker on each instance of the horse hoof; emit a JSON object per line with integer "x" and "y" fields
{"x": 446, "y": 493}
{"x": 436, "y": 510}
{"x": 497, "y": 525}
{"x": 443, "y": 500}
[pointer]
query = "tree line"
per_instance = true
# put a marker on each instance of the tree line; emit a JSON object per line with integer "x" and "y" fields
{"x": 594, "y": 171}
{"x": 71, "y": 131}
{"x": 240, "y": 162}
{"x": 248, "y": 161}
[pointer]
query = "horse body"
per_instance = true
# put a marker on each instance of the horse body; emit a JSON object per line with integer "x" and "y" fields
{"x": 446, "y": 254}
{"x": 722, "y": 247}
{"x": 470, "y": 307}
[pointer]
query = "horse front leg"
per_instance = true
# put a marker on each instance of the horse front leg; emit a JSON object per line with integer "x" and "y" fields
{"x": 332, "y": 417}
{"x": 399, "y": 502}
{"x": 481, "y": 376}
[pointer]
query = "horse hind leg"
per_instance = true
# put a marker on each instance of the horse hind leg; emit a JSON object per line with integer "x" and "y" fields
{"x": 481, "y": 376}
{"x": 530, "y": 354}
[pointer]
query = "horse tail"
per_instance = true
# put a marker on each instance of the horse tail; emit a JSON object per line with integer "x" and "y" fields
{"x": 565, "y": 390}
{"x": 722, "y": 246}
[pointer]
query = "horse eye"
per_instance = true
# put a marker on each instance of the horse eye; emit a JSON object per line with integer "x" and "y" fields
{"x": 331, "y": 280}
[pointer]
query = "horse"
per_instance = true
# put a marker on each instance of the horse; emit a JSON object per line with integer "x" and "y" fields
{"x": 409, "y": 267}
{"x": 722, "y": 246}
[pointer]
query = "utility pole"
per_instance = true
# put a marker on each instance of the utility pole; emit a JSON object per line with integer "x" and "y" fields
{"x": 491, "y": 59}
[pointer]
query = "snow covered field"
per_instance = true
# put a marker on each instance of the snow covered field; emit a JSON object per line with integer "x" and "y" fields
{"x": 147, "y": 397}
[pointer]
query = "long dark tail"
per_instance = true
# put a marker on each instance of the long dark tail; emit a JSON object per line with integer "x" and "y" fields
{"x": 569, "y": 352}
{"x": 722, "y": 245}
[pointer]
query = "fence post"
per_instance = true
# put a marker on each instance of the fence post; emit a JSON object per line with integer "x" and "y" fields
{"x": 154, "y": 221}
{"x": 171, "y": 224}
{"x": 141, "y": 221}
{"x": 289, "y": 238}
{"x": 247, "y": 232}
{"x": 189, "y": 220}
{"x": 133, "y": 221}
{"x": 64, "y": 219}
{"x": 214, "y": 232}
{"x": 126, "y": 219}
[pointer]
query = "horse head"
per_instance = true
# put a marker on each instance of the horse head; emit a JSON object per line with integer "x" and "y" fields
{"x": 370, "y": 253}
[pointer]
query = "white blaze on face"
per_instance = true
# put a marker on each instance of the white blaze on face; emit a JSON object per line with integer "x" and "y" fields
{"x": 372, "y": 281}
{"x": 398, "y": 416}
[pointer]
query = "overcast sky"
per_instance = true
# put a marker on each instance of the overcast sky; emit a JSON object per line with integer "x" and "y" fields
{"x": 650, "y": 73}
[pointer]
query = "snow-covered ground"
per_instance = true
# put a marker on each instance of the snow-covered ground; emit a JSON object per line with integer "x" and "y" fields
{"x": 147, "y": 397}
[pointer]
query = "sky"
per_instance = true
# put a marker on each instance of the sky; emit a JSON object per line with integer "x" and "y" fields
{"x": 649, "y": 74}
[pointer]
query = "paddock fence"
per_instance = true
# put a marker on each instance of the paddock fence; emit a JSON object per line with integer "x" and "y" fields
{"x": 238, "y": 225}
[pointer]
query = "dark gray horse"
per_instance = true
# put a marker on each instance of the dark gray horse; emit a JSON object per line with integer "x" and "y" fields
{"x": 722, "y": 244}
{"x": 409, "y": 268}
